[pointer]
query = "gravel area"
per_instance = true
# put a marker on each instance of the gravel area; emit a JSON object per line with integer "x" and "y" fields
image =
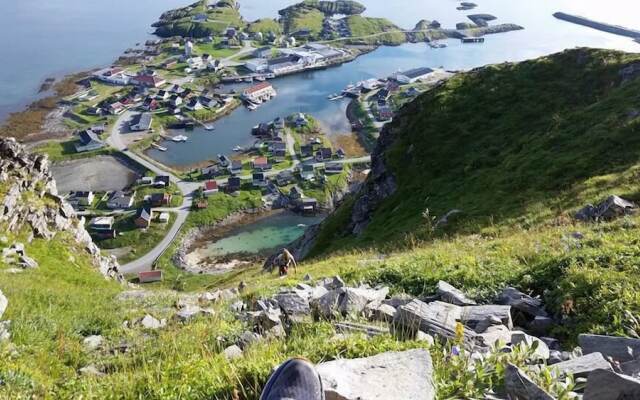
{"x": 98, "y": 174}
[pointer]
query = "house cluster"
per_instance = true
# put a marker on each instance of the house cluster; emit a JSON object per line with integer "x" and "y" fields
{"x": 285, "y": 61}
{"x": 334, "y": 28}
{"x": 176, "y": 99}
{"x": 89, "y": 139}
{"x": 103, "y": 226}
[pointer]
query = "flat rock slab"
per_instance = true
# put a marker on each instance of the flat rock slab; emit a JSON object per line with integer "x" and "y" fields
{"x": 581, "y": 367}
{"x": 607, "y": 385}
{"x": 619, "y": 348}
{"x": 395, "y": 375}
{"x": 453, "y": 295}
{"x": 519, "y": 386}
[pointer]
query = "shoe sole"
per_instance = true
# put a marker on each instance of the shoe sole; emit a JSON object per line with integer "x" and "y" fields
{"x": 281, "y": 368}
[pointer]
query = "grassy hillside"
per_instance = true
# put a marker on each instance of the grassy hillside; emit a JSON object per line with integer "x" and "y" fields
{"x": 511, "y": 145}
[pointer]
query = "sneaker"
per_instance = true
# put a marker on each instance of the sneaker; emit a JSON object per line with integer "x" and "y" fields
{"x": 296, "y": 379}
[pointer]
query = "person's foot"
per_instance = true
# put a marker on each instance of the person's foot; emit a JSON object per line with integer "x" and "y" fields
{"x": 296, "y": 379}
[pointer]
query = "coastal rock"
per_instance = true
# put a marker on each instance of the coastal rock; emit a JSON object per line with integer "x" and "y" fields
{"x": 607, "y": 385}
{"x": 618, "y": 348}
{"x": 450, "y": 294}
{"x": 519, "y": 386}
{"x": 407, "y": 375}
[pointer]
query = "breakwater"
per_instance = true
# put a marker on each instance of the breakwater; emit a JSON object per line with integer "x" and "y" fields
{"x": 601, "y": 26}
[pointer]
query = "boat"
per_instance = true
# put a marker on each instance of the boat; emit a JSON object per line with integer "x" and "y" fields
{"x": 158, "y": 147}
{"x": 261, "y": 78}
{"x": 252, "y": 107}
{"x": 208, "y": 127}
{"x": 335, "y": 96}
{"x": 179, "y": 138}
{"x": 238, "y": 149}
{"x": 248, "y": 79}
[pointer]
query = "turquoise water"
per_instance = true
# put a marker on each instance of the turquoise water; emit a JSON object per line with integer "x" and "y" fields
{"x": 265, "y": 234}
{"x": 308, "y": 92}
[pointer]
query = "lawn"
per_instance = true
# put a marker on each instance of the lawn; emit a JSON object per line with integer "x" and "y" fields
{"x": 136, "y": 241}
{"x": 65, "y": 150}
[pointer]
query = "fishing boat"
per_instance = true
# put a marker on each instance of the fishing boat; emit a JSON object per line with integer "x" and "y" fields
{"x": 158, "y": 147}
{"x": 179, "y": 138}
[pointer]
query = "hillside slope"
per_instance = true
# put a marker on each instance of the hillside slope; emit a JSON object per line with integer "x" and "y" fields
{"x": 509, "y": 144}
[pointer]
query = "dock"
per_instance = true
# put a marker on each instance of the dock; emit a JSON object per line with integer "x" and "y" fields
{"x": 472, "y": 40}
{"x": 601, "y": 26}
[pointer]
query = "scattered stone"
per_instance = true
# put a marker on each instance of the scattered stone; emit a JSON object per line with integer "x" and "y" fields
{"x": 424, "y": 337}
{"x": 519, "y": 386}
{"x": 607, "y": 385}
{"x": 93, "y": 342}
{"x": 307, "y": 278}
{"x": 4, "y": 303}
{"x": 149, "y": 322}
{"x": 293, "y": 305}
{"x": 437, "y": 318}
{"x": 631, "y": 368}
{"x": 612, "y": 207}
{"x": 398, "y": 301}
{"x": 237, "y": 306}
{"x": 552, "y": 343}
{"x": 555, "y": 357}
{"x": 91, "y": 370}
{"x": 581, "y": 367}
{"x": 5, "y": 334}
{"x": 380, "y": 377}
{"x": 521, "y": 302}
{"x": 493, "y": 335}
{"x": 247, "y": 338}
{"x": 333, "y": 283}
{"x": 327, "y": 305}
{"x": 188, "y": 313}
{"x": 473, "y": 315}
{"x": 369, "y": 330}
{"x": 619, "y": 348}
{"x": 27, "y": 262}
{"x": 380, "y": 312}
{"x": 317, "y": 292}
{"x": 450, "y": 294}
{"x": 540, "y": 325}
{"x": 541, "y": 351}
{"x": 489, "y": 321}
{"x": 232, "y": 352}
{"x": 352, "y": 302}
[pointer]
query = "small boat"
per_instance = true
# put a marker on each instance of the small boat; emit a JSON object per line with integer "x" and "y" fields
{"x": 158, "y": 147}
{"x": 335, "y": 96}
{"x": 261, "y": 78}
{"x": 238, "y": 149}
{"x": 179, "y": 138}
{"x": 208, "y": 127}
{"x": 302, "y": 225}
{"x": 252, "y": 107}
{"x": 248, "y": 79}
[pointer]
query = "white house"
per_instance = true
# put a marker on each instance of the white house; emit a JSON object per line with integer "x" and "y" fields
{"x": 259, "y": 93}
{"x": 412, "y": 75}
{"x": 257, "y": 64}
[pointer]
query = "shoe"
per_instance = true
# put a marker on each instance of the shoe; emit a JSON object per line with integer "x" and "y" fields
{"x": 296, "y": 379}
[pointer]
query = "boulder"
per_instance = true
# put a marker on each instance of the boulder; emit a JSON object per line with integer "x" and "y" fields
{"x": 612, "y": 207}
{"x": 293, "y": 304}
{"x": 437, "y": 318}
{"x": 188, "y": 313}
{"x": 631, "y": 368}
{"x": 489, "y": 321}
{"x": 27, "y": 262}
{"x": 604, "y": 384}
{"x": 333, "y": 283}
{"x": 493, "y": 335}
{"x": 91, "y": 370}
{"x": 317, "y": 292}
{"x": 398, "y": 301}
{"x": 353, "y": 302}
{"x": 540, "y": 325}
{"x": 424, "y": 337}
{"x": 541, "y": 352}
{"x": 450, "y": 294}
{"x": 5, "y": 335}
{"x": 149, "y": 322}
{"x": 552, "y": 343}
{"x": 520, "y": 387}
{"x": 380, "y": 312}
{"x": 232, "y": 352}
{"x": 247, "y": 338}
{"x": 529, "y": 306}
{"x": 407, "y": 375}
{"x": 619, "y": 348}
{"x": 267, "y": 320}
{"x": 327, "y": 305}
{"x": 369, "y": 330}
{"x": 4, "y": 303}
{"x": 580, "y": 367}
{"x": 473, "y": 315}
{"x": 92, "y": 342}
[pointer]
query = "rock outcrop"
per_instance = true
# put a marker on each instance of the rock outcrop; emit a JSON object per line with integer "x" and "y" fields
{"x": 31, "y": 201}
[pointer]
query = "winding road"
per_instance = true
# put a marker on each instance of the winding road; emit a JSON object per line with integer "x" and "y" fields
{"x": 188, "y": 189}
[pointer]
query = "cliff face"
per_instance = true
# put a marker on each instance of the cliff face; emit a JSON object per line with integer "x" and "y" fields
{"x": 29, "y": 202}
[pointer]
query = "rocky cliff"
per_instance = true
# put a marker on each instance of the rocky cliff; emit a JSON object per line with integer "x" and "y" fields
{"x": 31, "y": 206}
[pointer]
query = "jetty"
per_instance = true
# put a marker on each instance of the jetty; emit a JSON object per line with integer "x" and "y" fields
{"x": 601, "y": 26}
{"x": 472, "y": 40}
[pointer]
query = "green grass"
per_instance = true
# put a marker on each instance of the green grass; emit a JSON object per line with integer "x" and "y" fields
{"x": 138, "y": 242}
{"x": 179, "y": 22}
{"x": 265, "y": 25}
{"x": 62, "y": 151}
{"x": 303, "y": 18}
{"x": 375, "y": 30}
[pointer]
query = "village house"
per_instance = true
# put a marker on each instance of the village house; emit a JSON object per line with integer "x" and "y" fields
{"x": 149, "y": 79}
{"x": 161, "y": 181}
{"x": 307, "y": 205}
{"x": 164, "y": 218}
{"x": 333, "y": 168}
{"x": 306, "y": 150}
{"x": 295, "y": 193}
{"x": 141, "y": 122}
{"x": 194, "y": 104}
{"x": 412, "y": 75}
{"x": 259, "y": 179}
{"x": 160, "y": 199}
{"x": 224, "y": 160}
{"x": 284, "y": 65}
{"x": 88, "y": 141}
{"x": 175, "y": 100}
{"x": 208, "y": 102}
{"x": 279, "y": 151}
{"x": 145, "y": 180}
{"x": 259, "y": 93}
{"x": 112, "y": 75}
{"x": 211, "y": 171}
{"x": 233, "y": 184}
{"x": 210, "y": 187}
{"x": 308, "y": 172}
{"x": 261, "y": 164}
{"x": 101, "y": 223}
{"x": 284, "y": 178}
{"x": 263, "y": 52}
{"x": 257, "y": 65}
{"x": 81, "y": 199}
{"x": 323, "y": 154}
{"x": 235, "y": 167}
{"x": 384, "y": 113}
{"x": 150, "y": 104}
{"x": 143, "y": 217}
{"x": 116, "y": 108}
{"x": 120, "y": 200}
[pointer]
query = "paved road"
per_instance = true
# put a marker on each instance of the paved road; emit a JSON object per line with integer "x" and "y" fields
{"x": 145, "y": 262}
{"x": 188, "y": 189}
